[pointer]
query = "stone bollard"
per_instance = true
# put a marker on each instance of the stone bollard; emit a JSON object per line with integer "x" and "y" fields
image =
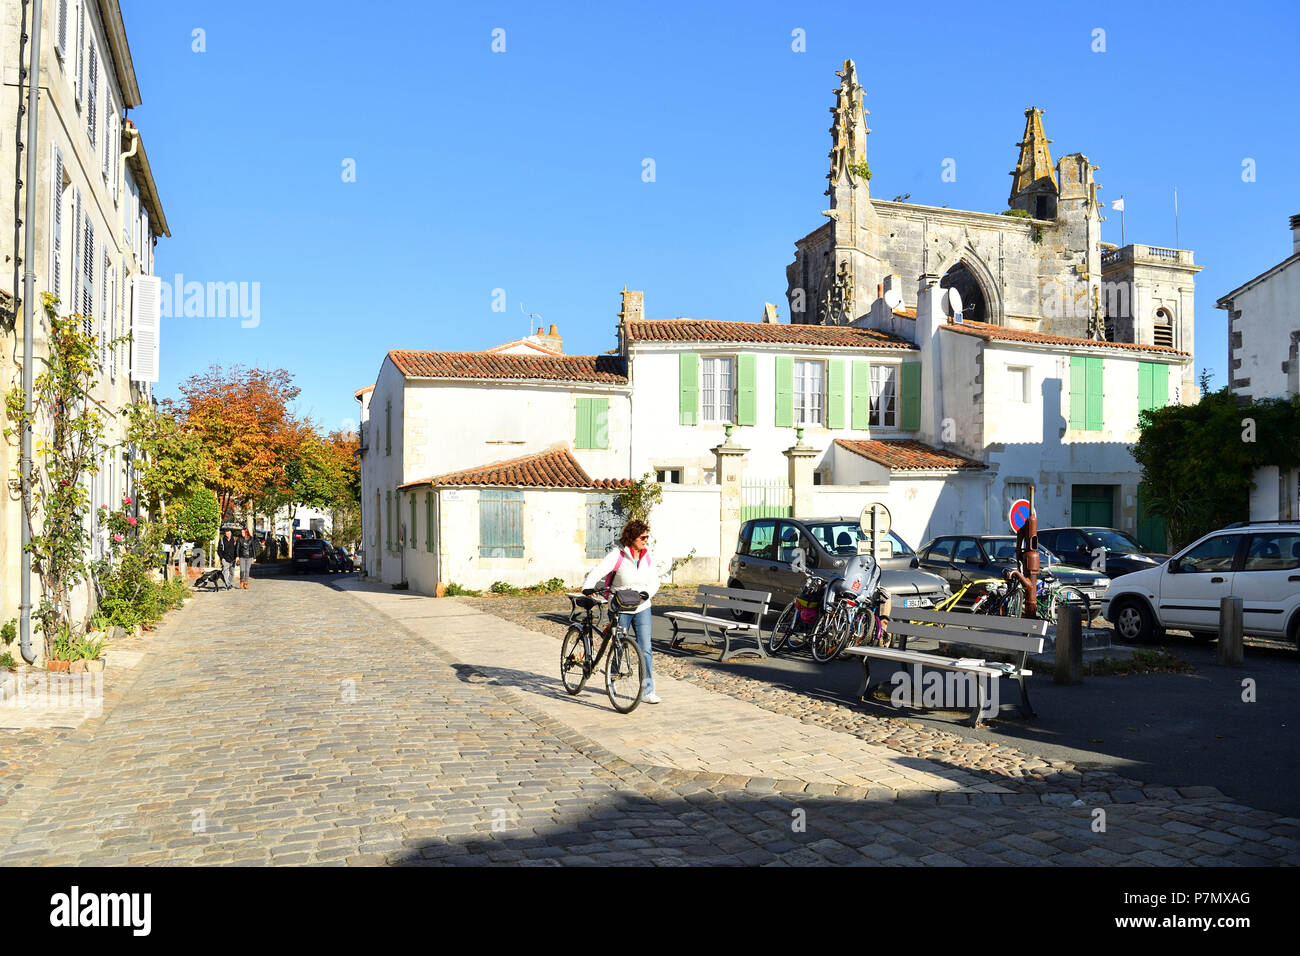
{"x": 1069, "y": 645}
{"x": 1230, "y": 650}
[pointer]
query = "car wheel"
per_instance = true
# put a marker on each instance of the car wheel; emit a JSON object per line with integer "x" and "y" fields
{"x": 1134, "y": 623}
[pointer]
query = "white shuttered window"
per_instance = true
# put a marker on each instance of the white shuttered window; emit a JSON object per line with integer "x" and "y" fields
{"x": 56, "y": 226}
{"x": 145, "y": 294}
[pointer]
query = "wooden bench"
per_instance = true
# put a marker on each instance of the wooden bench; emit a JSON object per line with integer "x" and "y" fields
{"x": 1019, "y": 636}
{"x": 722, "y": 602}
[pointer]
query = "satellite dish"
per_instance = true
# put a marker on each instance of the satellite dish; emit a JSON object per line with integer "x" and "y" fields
{"x": 952, "y": 302}
{"x": 893, "y": 299}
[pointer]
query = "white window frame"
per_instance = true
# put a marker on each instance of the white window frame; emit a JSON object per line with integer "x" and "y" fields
{"x": 61, "y": 31}
{"x": 714, "y": 392}
{"x": 1026, "y": 383}
{"x": 809, "y": 404}
{"x": 884, "y": 382}
{"x": 665, "y": 475}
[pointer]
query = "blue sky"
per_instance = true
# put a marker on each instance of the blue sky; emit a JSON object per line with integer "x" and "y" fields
{"x": 521, "y": 170}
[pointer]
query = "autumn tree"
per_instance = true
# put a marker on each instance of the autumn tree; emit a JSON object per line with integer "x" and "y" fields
{"x": 242, "y": 417}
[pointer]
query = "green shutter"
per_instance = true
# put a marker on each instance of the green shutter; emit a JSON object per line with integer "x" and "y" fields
{"x": 428, "y": 520}
{"x": 388, "y": 520}
{"x": 1144, "y": 386}
{"x": 413, "y": 542}
{"x": 835, "y": 393}
{"x": 784, "y": 391}
{"x": 860, "y": 412}
{"x": 388, "y": 427}
{"x": 909, "y": 381}
{"x": 690, "y": 388}
{"x": 1078, "y": 390}
{"x": 1096, "y": 393}
{"x": 1159, "y": 385}
{"x": 585, "y": 436}
{"x": 746, "y": 390}
{"x": 599, "y": 416}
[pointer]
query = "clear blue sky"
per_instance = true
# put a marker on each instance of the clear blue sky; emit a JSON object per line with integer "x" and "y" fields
{"x": 522, "y": 170}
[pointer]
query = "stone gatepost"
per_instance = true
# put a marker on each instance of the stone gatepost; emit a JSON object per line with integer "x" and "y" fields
{"x": 731, "y": 468}
{"x": 801, "y": 458}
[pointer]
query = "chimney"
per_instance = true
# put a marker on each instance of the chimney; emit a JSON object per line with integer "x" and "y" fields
{"x": 1295, "y": 234}
{"x": 633, "y": 307}
{"x": 769, "y": 314}
{"x": 553, "y": 340}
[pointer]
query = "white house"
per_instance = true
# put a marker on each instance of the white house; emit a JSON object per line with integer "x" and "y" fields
{"x": 1264, "y": 362}
{"x": 480, "y": 467}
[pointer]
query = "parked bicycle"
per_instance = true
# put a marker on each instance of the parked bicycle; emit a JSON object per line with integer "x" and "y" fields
{"x": 1008, "y": 599}
{"x": 624, "y": 667}
{"x": 801, "y": 618}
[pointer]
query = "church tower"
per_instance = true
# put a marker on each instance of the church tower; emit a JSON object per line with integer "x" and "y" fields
{"x": 1033, "y": 186}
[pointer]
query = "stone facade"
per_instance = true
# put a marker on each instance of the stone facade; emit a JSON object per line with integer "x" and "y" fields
{"x": 1041, "y": 270}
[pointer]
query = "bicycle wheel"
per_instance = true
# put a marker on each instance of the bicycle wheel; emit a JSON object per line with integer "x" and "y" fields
{"x": 624, "y": 674}
{"x": 1074, "y": 597}
{"x": 783, "y": 628}
{"x": 1014, "y": 603}
{"x": 573, "y": 660}
{"x": 831, "y": 636}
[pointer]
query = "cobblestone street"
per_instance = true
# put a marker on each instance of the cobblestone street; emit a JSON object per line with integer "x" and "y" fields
{"x": 301, "y": 723}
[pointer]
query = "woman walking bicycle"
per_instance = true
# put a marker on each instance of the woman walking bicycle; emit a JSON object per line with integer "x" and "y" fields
{"x": 628, "y": 567}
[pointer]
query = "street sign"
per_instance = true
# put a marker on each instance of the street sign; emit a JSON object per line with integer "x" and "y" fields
{"x": 883, "y": 519}
{"x": 297, "y": 523}
{"x": 875, "y": 522}
{"x": 1018, "y": 515}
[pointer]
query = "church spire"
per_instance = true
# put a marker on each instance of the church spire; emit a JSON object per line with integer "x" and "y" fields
{"x": 848, "y": 129}
{"x": 1034, "y": 174}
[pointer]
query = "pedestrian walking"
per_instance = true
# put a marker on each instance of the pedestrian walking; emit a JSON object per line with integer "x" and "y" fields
{"x": 228, "y": 552}
{"x": 247, "y": 551}
{"x": 629, "y": 566}
{"x": 270, "y": 546}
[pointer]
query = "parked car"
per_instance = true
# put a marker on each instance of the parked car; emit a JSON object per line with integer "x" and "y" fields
{"x": 314, "y": 554}
{"x": 1077, "y": 547}
{"x": 1256, "y": 561}
{"x": 345, "y": 560}
{"x": 959, "y": 558}
{"x": 765, "y": 552}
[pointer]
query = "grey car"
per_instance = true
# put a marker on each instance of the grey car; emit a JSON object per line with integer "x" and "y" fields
{"x": 765, "y": 552}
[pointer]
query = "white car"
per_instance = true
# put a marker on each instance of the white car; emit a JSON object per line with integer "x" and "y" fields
{"x": 1257, "y": 561}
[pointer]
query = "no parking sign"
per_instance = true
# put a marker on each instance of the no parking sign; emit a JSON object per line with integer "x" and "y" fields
{"x": 1018, "y": 515}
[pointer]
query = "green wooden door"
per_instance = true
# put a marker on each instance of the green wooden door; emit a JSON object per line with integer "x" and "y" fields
{"x": 1151, "y": 530}
{"x": 1092, "y": 506}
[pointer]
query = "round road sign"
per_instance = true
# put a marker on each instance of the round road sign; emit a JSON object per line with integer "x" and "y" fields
{"x": 1018, "y": 514}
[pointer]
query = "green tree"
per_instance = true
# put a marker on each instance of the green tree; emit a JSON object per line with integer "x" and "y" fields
{"x": 1198, "y": 461}
{"x": 199, "y": 518}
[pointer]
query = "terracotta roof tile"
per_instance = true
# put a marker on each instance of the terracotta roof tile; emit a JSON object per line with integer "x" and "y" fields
{"x": 709, "y": 330}
{"x": 361, "y": 391}
{"x": 1003, "y": 334}
{"x": 550, "y": 469}
{"x": 908, "y": 455}
{"x": 605, "y": 369}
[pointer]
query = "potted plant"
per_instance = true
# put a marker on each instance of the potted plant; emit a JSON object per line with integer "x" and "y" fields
{"x": 92, "y": 654}
{"x": 64, "y": 649}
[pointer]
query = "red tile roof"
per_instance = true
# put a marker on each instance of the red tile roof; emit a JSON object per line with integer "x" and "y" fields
{"x": 709, "y": 330}
{"x": 550, "y": 469}
{"x": 361, "y": 391}
{"x": 605, "y": 369}
{"x": 908, "y": 455}
{"x": 1003, "y": 334}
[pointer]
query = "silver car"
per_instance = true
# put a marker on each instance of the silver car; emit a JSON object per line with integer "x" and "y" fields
{"x": 765, "y": 553}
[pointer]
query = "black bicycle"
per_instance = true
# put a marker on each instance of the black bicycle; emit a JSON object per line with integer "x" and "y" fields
{"x": 624, "y": 667}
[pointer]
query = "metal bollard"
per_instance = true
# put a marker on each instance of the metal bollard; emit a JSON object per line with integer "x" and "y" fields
{"x": 1230, "y": 650}
{"x": 1069, "y": 645}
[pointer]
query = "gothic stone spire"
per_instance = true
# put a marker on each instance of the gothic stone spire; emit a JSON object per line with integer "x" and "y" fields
{"x": 1034, "y": 172}
{"x": 848, "y": 128}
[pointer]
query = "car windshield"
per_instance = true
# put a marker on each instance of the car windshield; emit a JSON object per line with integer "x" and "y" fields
{"x": 842, "y": 537}
{"x": 1112, "y": 540}
{"x": 1004, "y": 549}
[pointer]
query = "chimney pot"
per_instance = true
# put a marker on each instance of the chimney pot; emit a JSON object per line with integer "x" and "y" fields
{"x": 553, "y": 331}
{"x": 1295, "y": 234}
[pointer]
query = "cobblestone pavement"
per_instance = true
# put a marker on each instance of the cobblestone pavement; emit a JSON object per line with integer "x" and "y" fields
{"x": 296, "y": 723}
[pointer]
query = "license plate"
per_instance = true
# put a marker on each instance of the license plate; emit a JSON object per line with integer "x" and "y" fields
{"x": 916, "y": 602}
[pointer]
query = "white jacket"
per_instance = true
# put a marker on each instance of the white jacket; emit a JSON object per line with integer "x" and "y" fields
{"x": 637, "y": 575}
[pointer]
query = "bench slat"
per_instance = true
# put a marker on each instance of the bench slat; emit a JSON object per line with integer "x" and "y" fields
{"x": 985, "y": 622}
{"x": 966, "y": 635}
{"x": 764, "y": 596}
{"x": 930, "y": 660}
{"x": 712, "y": 621}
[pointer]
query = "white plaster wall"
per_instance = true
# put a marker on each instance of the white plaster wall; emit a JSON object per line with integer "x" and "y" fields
{"x": 920, "y": 507}
{"x": 382, "y": 473}
{"x": 687, "y": 518}
{"x": 1270, "y": 315}
{"x": 659, "y": 440}
{"x": 452, "y": 426}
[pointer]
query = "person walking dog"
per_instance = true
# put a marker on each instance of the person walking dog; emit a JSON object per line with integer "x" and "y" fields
{"x": 247, "y": 551}
{"x": 629, "y": 566}
{"x": 228, "y": 552}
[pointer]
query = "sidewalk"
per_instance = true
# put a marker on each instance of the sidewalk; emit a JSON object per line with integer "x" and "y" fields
{"x": 693, "y": 730}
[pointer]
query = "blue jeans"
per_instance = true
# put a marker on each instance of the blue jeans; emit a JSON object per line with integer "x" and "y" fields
{"x": 640, "y": 622}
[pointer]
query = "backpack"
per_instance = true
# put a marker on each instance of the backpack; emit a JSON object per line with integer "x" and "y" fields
{"x": 609, "y": 578}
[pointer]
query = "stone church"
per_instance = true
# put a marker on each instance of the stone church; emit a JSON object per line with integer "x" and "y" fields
{"x": 1040, "y": 266}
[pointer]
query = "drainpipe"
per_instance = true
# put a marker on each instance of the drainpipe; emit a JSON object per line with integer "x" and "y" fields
{"x": 134, "y": 133}
{"x": 29, "y": 358}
